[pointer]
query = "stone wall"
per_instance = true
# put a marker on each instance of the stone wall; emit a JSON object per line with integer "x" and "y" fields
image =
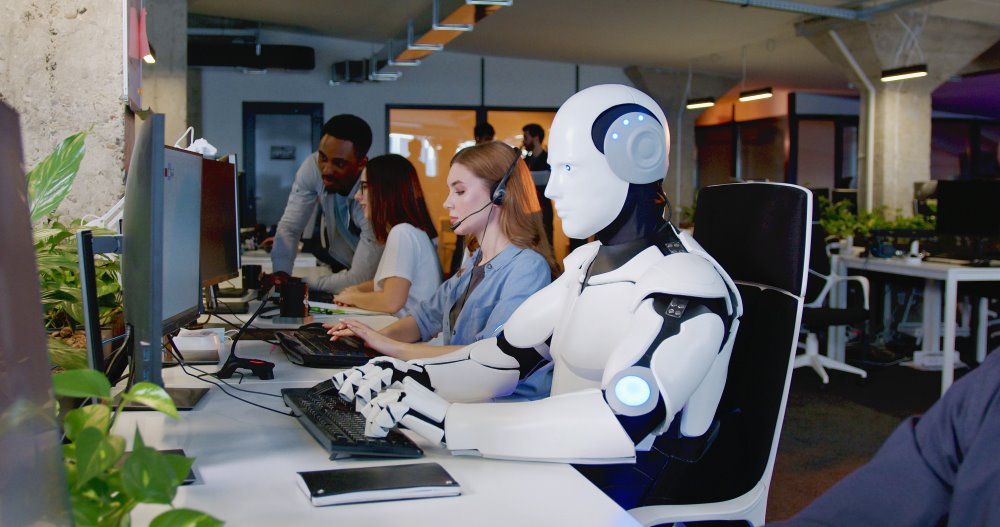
{"x": 61, "y": 69}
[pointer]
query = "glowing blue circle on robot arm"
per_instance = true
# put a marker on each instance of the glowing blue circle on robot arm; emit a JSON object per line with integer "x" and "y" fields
{"x": 632, "y": 390}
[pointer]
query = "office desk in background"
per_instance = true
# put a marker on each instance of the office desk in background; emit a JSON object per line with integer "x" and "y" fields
{"x": 247, "y": 459}
{"x": 934, "y": 275}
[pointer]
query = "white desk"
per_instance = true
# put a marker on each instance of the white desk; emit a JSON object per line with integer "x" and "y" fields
{"x": 247, "y": 459}
{"x": 263, "y": 259}
{"x": 934, "y": 275}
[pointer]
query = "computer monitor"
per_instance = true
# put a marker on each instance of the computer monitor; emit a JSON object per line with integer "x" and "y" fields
{"x": 160, "y": 246}
{"x": 969, "y": 208}
{"x": 220, "y": 229}
{"x": 31, "y": 464}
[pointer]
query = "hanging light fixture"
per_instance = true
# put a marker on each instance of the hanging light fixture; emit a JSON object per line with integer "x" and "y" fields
{"x": 907, "y": 72}
{"x": 702, "y": 102}
{"x": 756, "y": 95}
{"x": 145, "y": 49}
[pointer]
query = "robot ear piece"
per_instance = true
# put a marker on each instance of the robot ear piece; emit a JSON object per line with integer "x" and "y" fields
{"x": 633, "y": 141}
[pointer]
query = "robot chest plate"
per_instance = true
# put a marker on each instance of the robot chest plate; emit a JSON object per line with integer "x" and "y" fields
{"x": 589, "y": 331}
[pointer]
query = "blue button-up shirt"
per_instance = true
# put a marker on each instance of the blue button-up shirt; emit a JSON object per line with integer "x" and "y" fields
{"x": 510, "y": 278}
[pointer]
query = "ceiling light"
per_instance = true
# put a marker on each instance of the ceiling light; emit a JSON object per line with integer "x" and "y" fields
{"x": 754, "y": 95}
{"x": 385, "y": 76}
{"x": 703, "y": 102}
{"x": 490, "y": 2}
{"x": 908, "y": 72}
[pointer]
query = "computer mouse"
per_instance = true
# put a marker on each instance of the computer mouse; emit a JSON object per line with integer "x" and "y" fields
{"x": 313, "y": 326}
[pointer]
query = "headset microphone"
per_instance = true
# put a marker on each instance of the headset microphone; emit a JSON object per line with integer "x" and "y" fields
{"x": 459, "y": 222}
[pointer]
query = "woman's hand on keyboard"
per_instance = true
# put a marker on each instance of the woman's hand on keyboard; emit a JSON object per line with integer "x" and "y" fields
{"x": 373, "y": 339}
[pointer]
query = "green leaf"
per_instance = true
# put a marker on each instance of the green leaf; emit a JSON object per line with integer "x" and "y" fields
{"x": 153, "y": 396}
{"x": 96, "y": 453}
{"x": 50, "y": 181}
{"x": 93, "y": 416}
{"x": 184, "y": 518}
{"x": 148, "y": 476}
{"x": 180, "y": 464}
{"x": 81, "y": 383}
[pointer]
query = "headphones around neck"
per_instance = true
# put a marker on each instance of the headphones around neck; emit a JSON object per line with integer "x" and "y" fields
{"x": 500, "y": 190}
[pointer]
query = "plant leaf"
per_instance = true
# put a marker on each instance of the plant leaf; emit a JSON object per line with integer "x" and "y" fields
{"x": 147, "y": 476}
{"x": 93, "y": 416}
{"x": 153, "y": 396}
{"x": 82, "y": 383}
{"x": 180, "y": 464}
{"x": 184, "y": 518}
{"x": 95, "y": 453}
{"x": 50, "y": 181}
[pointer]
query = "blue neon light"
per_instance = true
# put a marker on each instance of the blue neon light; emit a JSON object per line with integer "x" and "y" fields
{"x": 632, "y": 390}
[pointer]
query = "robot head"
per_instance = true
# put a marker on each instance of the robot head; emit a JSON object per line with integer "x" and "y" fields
{"x": 601, "y": 140}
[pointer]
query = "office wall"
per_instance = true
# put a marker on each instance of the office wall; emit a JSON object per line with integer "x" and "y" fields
{"x": 61, "y": 69}
{"x": 444, "y": 78}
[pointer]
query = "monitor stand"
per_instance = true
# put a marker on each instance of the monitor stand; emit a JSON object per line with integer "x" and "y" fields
{"x": 184, "y": 399}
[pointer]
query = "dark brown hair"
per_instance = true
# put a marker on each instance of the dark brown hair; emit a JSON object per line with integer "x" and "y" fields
{"x": 395, "y": 196}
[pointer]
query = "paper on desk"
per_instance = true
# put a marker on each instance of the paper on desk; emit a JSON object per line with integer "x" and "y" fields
{"x": 333, "y": 309}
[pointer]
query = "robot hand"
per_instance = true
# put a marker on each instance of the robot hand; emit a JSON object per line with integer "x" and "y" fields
{"x": 411, "y": 405}
{"x": 362, "y": 384}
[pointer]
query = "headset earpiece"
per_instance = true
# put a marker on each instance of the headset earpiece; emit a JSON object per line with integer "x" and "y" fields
{"x": 633, "y": 141}
{"x": 500, "y": 190}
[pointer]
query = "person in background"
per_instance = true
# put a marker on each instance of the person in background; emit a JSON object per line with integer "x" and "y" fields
{"x": 331, "y": 176}
{"x": 511, "y": 262}
{"x": 409, "y": 272}
{"x": 483, "y": 133}
{"x": 938, "y": 469}
{"x": 537, "y": 160}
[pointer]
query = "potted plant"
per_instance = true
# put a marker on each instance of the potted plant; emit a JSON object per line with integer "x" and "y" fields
{"x": 55, "y": 250}
{"x": 106, "y": 482}
{"x": 839, "y": 221}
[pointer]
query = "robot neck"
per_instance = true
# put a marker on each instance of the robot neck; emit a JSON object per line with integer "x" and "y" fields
{"x": 639, "y": 226}
{"x": 640, "y": 218}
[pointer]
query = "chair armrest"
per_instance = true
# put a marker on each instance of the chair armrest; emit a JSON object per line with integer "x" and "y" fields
{"x": 863, "y": 280}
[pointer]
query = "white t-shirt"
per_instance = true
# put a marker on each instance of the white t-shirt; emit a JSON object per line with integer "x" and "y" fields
{"x": 409, "y": 254}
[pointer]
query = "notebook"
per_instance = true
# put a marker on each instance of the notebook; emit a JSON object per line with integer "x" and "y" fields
{"x": 383, "y": 483}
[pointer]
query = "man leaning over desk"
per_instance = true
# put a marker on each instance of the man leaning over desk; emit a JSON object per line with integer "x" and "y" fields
{"x": 331, "y": 175}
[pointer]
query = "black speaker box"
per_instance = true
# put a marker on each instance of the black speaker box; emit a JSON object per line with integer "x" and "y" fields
{"x": 265, "y": 56}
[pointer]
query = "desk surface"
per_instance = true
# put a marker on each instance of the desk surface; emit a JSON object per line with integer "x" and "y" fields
{"x": 247, "y": 458}
{"x": 932, "y": 270}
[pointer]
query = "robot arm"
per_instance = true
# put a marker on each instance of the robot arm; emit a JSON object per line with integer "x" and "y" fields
{"x": 480, "y": 371}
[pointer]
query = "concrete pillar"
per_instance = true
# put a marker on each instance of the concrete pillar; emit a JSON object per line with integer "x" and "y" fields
{"x": 669, "y": 89}
{"x": 164, "y": 84}
{"x": 902, "y": 116}
{"x": 61, "y": 69}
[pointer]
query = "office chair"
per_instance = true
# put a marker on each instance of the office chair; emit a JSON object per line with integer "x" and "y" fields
{"x": 759, "y": 233}
{"x": 818, "y": 317}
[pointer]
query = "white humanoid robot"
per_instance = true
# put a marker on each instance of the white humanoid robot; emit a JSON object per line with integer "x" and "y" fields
{"x": 639, "y": 327}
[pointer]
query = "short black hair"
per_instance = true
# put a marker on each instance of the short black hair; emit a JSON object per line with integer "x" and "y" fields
{"x": 483, "y": 130}
{"x": 351, "y": 128}
{"x": 535, "y": 131}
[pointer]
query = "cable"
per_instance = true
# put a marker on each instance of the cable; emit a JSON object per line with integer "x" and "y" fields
{"x": 222, "y": 384}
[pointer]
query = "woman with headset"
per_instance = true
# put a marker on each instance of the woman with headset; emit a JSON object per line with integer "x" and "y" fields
{"x": 491, "y": 198}
{"x": 408, "y": 272}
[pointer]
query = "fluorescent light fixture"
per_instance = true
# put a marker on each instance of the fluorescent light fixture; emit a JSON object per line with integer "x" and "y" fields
{"x": 385, "y": 76}
{"x": 490, "y": 2}
{"x": 908, "y": 72}
{"x": 436, "y": 25}
{"x": 755, "y": 95}
{"x": 703, "y": 102}
{"x": 413, "y": 46}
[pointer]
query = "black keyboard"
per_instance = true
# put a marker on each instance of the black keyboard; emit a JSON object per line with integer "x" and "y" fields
{"x": 341, "y": 430}
{"x": 311, "y": 346}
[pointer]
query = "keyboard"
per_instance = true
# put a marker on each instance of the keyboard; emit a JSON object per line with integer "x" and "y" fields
{"x": 312, "y": 347}
{"x": 335, "y": 424}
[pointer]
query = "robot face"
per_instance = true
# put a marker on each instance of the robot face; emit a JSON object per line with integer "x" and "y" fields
{"x": 589, "y": 186}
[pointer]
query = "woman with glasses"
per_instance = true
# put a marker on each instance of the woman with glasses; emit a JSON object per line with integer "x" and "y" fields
{"x": 408, "y": 272}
